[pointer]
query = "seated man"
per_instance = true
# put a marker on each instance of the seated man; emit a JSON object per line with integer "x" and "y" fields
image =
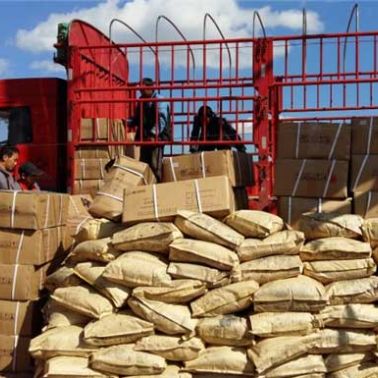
{"x": 217, "y": 128}
{"x": 29, "y": 174}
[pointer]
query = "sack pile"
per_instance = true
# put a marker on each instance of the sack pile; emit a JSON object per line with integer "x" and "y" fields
{"x": 204, "y": 297}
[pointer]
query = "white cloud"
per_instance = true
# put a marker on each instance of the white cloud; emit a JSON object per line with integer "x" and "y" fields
{"x": 46, "y": 66}
{"x": 4, "y": 65}
{"x": 234, "y": 20}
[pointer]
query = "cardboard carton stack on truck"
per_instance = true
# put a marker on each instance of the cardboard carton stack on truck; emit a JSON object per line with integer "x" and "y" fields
{"x": 312, "y": 168}
{"x": 32, "y": 243}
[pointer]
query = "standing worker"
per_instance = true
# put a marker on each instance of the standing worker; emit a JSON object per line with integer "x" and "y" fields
{"x": 207, "y": 126}
{"x": 151, "y": 118}
{"x": 29, "y": 174}
{"x": 8, "y": 161}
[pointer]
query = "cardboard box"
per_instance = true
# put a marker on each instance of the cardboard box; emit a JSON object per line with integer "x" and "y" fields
{"x": 311, "y": 178}
{"x": 314, "y": 140}
{"x": 32, "y": 210}
{"x": 14, "y": 355}
{"x": 290, "y": 209}
{"x": 18, "y": 282}
{"x": 94, "y": 128}
{"x": 90, "y": 169}
{"x": 29, "y": 247}
{"x": 20, "y": 318}
{"x": 364, "y": 175}
{"x": 241, "y": 198}
{"x": 364, "y": 135}
{"x": 237, "y": 166}
{"x": 366, "y": 204}
{"x": 213, "y": 196}
{"x": 124, "y": 174}
{"x": 92, "y": 153}
{"x": 90, "y": 187}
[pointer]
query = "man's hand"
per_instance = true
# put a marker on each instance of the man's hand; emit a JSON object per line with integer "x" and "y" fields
{"x": 194, "y": 148}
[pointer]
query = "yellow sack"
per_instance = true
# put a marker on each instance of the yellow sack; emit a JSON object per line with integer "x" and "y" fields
{"x": 136, "y": 268}
{"x": 293, "y": 294}
{"x": 119, "y": 328}
{"x": 370, "y": 231}
{"x": 179, "y": 291}
{"x": 171, "y": 371}
{"x": 367, "y": 370}
{"x": 94, "y": 229}
{"x": 225, "y": 300}
{"x": 224, "y": 330}
{"x": 254, "y": 223}
{"x": 123, "y": 360}
{"x": 340, "y": 361}
{"x": 203, "y": 227}
{"x": 91, "y": 273}
{"x": 63, "y": 277}
{"x": 149, "y": 237}
{"x": 201, "y": 252}
{"x": 170, "y": 347}
{"x": 286, "y": 242}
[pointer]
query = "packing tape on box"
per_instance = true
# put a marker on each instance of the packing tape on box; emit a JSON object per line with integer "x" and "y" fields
{"x": 16, "y": 316}
{"x": 81, "y": 223}
{"x": 60, "y": 209}
{"x": 297, "y": 181}
{"x": 320, "y": 204}
{"x": 14, "y": 359}
{"x": 82, "y": 168}
{"x": 19, "y": 247}
{"x": 47, "y": 211}
{"x": 13, "y": 210}
{"x": 369, "y": 135}
{"x": 101, "y": 168}
{"x": 133, "y": 171}
{"x": 333, "y": 164}
{"x": 154, "y": 202}
{"x": 289, "y": 209}
{"x": 198, "y": 196}
{"x": 172, "y": 168}
{"x": 203, "y": 166}
{"x": 332, "y": 150}
{"x": 14, "y": 281}
{"x": 110, "y": 196}
{"x": 299, "y": 128}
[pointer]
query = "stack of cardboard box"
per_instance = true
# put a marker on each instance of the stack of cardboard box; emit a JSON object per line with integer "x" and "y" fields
{"x": 364, "y": 168}
{"x": 32, "y": 228}
{"x": 312, "y": 168}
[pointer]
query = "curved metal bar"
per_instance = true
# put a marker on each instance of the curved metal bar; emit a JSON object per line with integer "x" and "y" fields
{"x": 354, "y": 11}
{"x": 256, "y": 14}
{"x": 208, "y": 15}
{"x": 181, "y": 35}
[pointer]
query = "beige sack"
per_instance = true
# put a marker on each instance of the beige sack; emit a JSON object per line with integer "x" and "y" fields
{"x": 221, "y": 360}
{"x": 119, "y": 328}
{"x": 170, "y": 347}
{"x": 363, "y": 290}
{"x": 370, "y": 231}
{"x": 225, "y": 300}
{"x": 328, "y": 271}
{"x": 344, "y": 341}
{"x": 367, "y": 370}
{"x": 94, "y": 229}
{"x": 293, "y": 294}
{"x": 84, "y": 300}
{"x": 171, "y": 319}
{"x": 203, "y": 227}
{"x": 254, "y": 223}
{"x": 137, "y": 268}
{"x": 271, "y": 268}
{"x": 91, "y": 273}
{"x": 65, "y": 341}
{"x": 304, "y": 366}
{"x": 151, "y": 237}
{"x": 94, "y": 250}
{"x": 286, "y": 242}
{"x": 171, "y": 371}
{"x": 340, "y": 361}
{"x": 212, "y": 277}
{"x": 326, "y": 225}
{"x": 63, "y": 277}
{"x": 272, "y": 352}
{"x": 273, "y": 324}
{"x": 123, "y": 360}
{"x": 224, "y": 330}
{"x": 179, "y": 291}
{"x": 56, "y": 315}
{"x": 335, "y": 248}
{"x": 201, "y": 252}
{"x": 75, "y": 367}
{"x": 350, "y": 316}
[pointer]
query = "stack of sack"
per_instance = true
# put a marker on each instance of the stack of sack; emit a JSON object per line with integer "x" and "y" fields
{"x": 312, "y": 169}
{"x": 32, "y": 244}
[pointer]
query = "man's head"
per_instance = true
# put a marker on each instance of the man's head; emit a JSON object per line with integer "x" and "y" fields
{"x": 9, "y": 157}
{"x": 30, "y": 173}
{"x": 148, "y": 91}
{"x": 205, "y": 113}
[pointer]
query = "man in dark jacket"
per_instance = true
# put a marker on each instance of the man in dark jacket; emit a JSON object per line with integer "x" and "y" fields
{"x": 208, "y": 126}
{"x": 8, "y": 161}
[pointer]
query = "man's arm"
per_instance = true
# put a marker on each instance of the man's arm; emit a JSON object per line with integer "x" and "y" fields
{"x": 231, "y": 134}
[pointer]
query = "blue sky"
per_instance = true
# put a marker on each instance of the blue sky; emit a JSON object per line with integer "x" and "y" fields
{"x": 28, "y": 28}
